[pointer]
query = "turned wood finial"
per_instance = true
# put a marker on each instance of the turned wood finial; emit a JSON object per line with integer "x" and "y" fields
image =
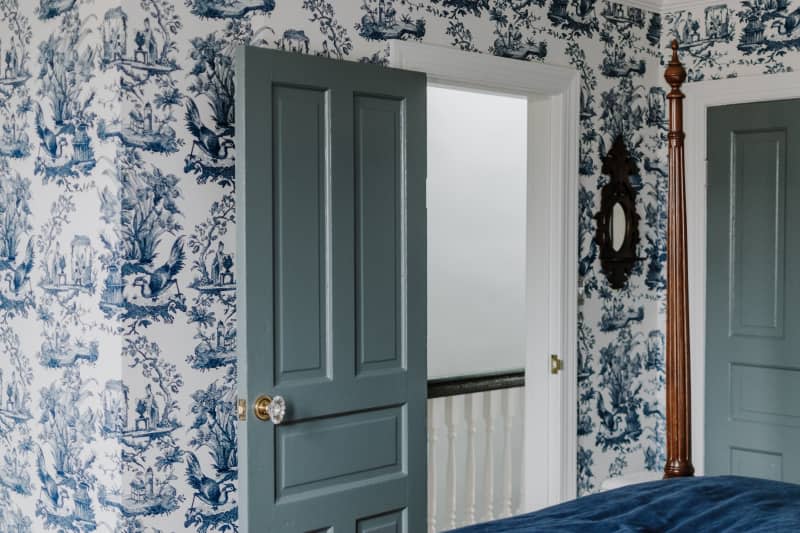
{"x": 675, "y": 73}
{"x": 679, "y": 402}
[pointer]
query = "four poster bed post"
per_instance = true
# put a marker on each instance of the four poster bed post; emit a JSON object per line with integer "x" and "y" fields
{"x": 679, "y": 424}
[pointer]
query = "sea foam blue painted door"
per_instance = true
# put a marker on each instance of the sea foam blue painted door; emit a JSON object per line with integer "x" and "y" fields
{"x": 753, "y": 291}
{"x": 331, "y": 191}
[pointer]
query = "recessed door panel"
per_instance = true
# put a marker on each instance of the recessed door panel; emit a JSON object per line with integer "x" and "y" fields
{"x": 770, "y": 395}
{"x": 350, "y": 449}
{"x": 386, "y": 523}
{"x": 756, "y": 463}
{"x": 379, "y": 184}
{"x": 757, "y": 232}
{"x": 300, "y": 195}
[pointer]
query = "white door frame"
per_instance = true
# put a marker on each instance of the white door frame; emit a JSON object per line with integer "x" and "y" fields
{"x": 552, "y": 225}
{"x": 699, "y": 97}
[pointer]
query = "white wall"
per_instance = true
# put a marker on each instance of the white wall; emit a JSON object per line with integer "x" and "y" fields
{"x": 476, "y": 232}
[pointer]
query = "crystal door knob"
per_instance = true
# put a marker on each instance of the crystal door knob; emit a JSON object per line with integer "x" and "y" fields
{"x": 270, "y": 409}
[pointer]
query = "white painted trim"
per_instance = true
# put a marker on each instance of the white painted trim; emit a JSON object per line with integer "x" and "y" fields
{"x": 552, "y": 225}
{"x": 672, "y": 6}
{"x": 699, "y": 97}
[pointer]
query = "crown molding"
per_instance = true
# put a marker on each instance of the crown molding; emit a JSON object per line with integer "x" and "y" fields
{"x": 671, "y": 6}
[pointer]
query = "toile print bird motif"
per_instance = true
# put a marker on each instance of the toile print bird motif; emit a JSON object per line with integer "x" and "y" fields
{"x": 209, "y": 141}
{"x": 20, "y": 275}
{"x": 154, "y": 284}
{"x": 208, "y": 490}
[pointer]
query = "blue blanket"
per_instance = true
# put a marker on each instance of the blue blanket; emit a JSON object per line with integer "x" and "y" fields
{"x": 725, "y": 503}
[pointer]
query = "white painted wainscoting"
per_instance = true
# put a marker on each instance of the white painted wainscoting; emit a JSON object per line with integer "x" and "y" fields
{"x": 475, "y": 455}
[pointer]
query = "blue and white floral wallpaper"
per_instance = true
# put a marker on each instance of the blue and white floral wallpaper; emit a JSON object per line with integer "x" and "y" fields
{"x": 117, "y": 216}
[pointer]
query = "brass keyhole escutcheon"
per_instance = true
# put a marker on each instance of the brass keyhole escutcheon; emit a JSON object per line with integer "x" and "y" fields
{"x": 261, "y": 407}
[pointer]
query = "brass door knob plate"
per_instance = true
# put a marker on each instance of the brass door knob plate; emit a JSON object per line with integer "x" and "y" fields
{"x": 270, "y": 409}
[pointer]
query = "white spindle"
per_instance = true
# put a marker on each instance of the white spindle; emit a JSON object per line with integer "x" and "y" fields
{"x": 433, "y": 436}
{"x": 470, "y": 473}
{"x": 520, "y": 480}
{"x": 508, "y": 416}
{"x": 488, "y": 468}
{"x": 451, "y": 459}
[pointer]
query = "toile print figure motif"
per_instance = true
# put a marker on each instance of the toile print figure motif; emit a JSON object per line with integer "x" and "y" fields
{"x": 381, "y": 22}
{"x": 576, "y": 16}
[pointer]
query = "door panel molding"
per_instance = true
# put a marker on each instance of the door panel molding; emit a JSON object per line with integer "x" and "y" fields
{"x": 700, "y": 96}
{"x": 552, "y": 202}
{"x": 749, "y": 252}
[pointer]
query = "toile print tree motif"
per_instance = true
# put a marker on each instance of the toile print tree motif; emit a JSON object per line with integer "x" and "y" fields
{"x": 586, "y": 343}
{"x": 214, "y": 77}
{"x": 510, "y": 41}
{"x": 214, "y": 308}
{"x": 69, "y": 422}
{"x": 15, "y": 213}
{"x": 336, "y": 42}
{"x": 215, "y": 422}
{"x": 146, "y": 356}
{"x": 148, "y": 208}
{"x": 619, "y": 402}
{"x": 624, "y": 108}
{"x": 15, "y": 101}
{"x": 656, "y": 235}
{"x": 168, "y": 25}
{"x": 66, "y": 69}
{"x": 16, "y": 257}
{"x": 461, "y": 36}
{"x": 206, "y": 241}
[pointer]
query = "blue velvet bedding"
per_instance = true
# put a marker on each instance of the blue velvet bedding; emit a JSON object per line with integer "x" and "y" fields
{"x": 725, "y": 503}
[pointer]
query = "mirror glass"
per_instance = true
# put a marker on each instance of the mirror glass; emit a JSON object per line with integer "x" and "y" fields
{"x": 617, "y": 227}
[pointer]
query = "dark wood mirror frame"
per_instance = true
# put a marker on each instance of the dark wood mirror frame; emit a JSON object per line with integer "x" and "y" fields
{"x": 617, "y": 263}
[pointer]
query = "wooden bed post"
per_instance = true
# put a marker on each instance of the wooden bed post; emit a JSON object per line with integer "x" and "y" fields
{"x": 679, "y": 404}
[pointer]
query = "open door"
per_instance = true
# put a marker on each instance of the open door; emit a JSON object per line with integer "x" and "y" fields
{"x": 331, "y": 310}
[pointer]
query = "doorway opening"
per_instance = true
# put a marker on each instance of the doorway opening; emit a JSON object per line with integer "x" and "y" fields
{"x": 476, "y": 198}
{"x": 551, "y": 94}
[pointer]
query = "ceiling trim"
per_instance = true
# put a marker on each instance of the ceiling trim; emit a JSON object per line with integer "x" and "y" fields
{"x": 670, "y": 6}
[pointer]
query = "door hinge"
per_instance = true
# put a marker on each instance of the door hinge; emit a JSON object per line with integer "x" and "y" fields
{"x": 556, "y": 364}
{"x": 241, "y": 409}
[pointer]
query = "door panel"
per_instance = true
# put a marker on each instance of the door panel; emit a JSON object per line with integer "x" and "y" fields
{"x": 379, "y": 187}
{"x": 753, "y": 360}
{"x": 300, "y": 199}
{"x": 757, "y": 225}
{"x": 331, "y": 191}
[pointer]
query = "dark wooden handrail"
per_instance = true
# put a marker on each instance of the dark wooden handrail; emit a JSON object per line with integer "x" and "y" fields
{"x": 443, "y": 387}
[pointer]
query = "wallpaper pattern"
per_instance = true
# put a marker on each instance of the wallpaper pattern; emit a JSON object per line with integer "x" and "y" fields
{"x": 117, "y": 216}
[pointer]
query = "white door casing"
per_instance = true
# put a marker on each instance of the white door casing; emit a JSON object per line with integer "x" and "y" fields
{"x": 552, "y": 225}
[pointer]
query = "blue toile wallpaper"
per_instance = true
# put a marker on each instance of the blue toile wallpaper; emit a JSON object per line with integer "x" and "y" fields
{"x": 117, "y": 252}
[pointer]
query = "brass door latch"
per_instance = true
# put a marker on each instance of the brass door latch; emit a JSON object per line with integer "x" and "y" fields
{"x": 556, "y": 364}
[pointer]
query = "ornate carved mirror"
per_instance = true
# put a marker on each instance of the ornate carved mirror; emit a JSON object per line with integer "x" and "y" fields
{"x": 617, "y": 221}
